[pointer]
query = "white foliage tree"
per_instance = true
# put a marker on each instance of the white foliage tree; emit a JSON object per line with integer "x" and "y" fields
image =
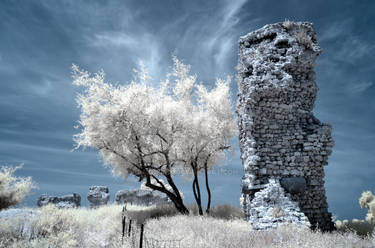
{"x": 155, "y": 133}
{"x": 13, "y": 189}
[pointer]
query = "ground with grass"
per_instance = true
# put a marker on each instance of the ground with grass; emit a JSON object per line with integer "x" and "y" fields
{"x": 163, "y": 227}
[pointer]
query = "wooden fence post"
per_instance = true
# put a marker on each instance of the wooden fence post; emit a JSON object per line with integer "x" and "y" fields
{"x": 123, "y": 227}
{"x": 141, "y": 237}
{"x": 130, "y": 227}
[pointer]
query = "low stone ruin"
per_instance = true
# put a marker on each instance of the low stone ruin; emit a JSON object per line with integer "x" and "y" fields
{"x": 283, "y": 146}
{"x": 66, "y": 201}
{"x": 141, "y": 197}
{"x": 98, "y": 196}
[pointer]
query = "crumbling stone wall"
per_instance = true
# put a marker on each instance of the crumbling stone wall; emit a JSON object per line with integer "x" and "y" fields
{"x": 279, "y": 136}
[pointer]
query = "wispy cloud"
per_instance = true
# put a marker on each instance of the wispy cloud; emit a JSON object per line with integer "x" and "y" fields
{"x": 224, "y": 39}
{"x": 143, "y": 47}
{"x": 351, "y": 47}
{"x": 116, "y": 39}
{"x": 230, "y": 11}
{"x": 358, "y": 87}
{"x": 335, "y": 30}
{"x": 43, "y": 89}
{"x": 354, "y": 49}
{"x": 209, "y": 38}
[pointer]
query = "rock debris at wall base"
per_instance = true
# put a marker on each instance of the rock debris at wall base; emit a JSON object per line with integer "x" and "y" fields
{"x": 272, "y": 206}
{"x": 279, "y": 136}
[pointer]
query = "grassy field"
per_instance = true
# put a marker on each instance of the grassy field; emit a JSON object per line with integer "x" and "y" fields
{"x": 163, "y": 227}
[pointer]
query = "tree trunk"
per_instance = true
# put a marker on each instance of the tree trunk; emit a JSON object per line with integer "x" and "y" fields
{"x": 198, "y": 193}
{"x": 195, "y": 191}
{"x": 197, "y": 198}
{"x": 177, "y": 200}
{"x": 180, "y": 207}
{"x": 208, "y": 190}
{"x": 174, "y": 187}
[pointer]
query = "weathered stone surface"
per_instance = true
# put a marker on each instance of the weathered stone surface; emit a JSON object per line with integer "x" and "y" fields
{"x": 293, "y": 185}
{"x": 66, "y": 201}
{"x": 279, "y": 135}
{"x": 271, "y": 207}
{"x": 98, "y": 196}
{"x": 140, "y": 197}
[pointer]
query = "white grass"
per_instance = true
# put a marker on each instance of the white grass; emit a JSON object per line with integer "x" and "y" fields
{"x": 202, "y": 232}
{"x": 101, "y": 227}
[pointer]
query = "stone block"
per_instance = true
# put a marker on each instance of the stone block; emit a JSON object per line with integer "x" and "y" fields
{"x": 98, "y": 196}
{"x": 66, "y": 201}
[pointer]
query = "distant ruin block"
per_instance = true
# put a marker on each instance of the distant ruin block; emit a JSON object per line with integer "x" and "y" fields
{"x": 98, "y": 196}
{"x": 281, "y": 141}
{"x": 67, "y": 201}
{"x": 141, "y": 197}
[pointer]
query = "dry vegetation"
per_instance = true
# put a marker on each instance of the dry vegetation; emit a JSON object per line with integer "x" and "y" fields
{"x": 202, "y": 232}
{"x": 303, "y": 38}
{"x": 12, "y": 189}
{"x": 360, "y": 227}
{"x": 52, "y": 227}
{"x": 299, "y": 33}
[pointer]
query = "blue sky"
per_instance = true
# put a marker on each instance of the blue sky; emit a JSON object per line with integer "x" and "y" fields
{"x": 40, "y": 40}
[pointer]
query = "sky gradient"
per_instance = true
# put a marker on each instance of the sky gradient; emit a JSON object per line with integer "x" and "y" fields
{"x": 40, "y": 40}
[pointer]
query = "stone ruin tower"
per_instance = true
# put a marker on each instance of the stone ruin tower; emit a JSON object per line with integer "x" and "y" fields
{"x": 283, "y": 146}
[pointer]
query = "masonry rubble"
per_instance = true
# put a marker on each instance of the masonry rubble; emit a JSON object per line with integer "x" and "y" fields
{"x": 282, "y": 143}
{"x": 98, "y": 196}
{"x": 272, "y": 206}
{"x": 66, "y": 201}
{"x": 141, "y": 197}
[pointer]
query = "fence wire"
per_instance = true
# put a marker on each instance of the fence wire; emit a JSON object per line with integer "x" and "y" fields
{"x": 160, "y": 243}
{"x": 134, "y": 240}
{"x": 131, "y": 234}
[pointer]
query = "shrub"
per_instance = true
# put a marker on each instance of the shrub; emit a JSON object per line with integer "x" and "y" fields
{"x": 367, "y": 200}
{"x": 142, "y": 215}
{"x": 12, "y": 189}
{"x": 11, "y": 231}
{"x": 288, "y": 24}
{"x": 53, "y": 227}
{"x": 226, "y": 212}
{"x": 299, "y": 33}
{"x": 57, "y": 226}
{"x": 303, "y": 38}
{"x": 360, "y": 227}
